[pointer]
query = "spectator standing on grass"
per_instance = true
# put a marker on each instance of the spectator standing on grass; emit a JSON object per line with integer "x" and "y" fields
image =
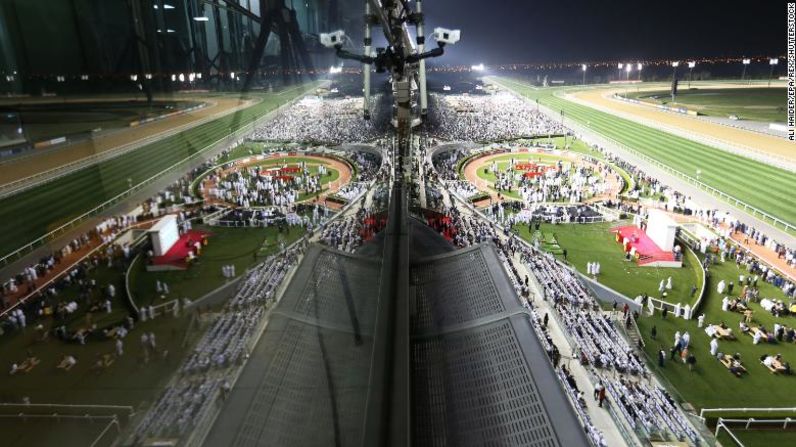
{"x": 119, "y": 347}
{"x": 691, "y": 361}
{"x": 714, "y": 346}
{"x": 701, "y": 320}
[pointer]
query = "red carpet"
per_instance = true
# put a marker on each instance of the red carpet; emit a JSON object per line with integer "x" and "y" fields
{"x": 179, "y": 251}
{"x": 646, "y": 249}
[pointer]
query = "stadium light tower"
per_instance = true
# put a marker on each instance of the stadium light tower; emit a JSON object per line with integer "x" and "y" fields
{"x": 620, "y": 66}
{"x": 638, "y": 68}
{"x": 772, "y": 62}
{"x": 675, "y": 64}
{"x": 583, "y": 69}
{"x": 628, "y": 69}
{"x": 745, "y": 62}
{"x": 691, "y": 66}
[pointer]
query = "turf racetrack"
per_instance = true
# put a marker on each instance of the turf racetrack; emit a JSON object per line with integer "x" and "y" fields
{"x": 37, "y": 211}
{"x": 760, "y": 185}
{"x": 757, "y": 104}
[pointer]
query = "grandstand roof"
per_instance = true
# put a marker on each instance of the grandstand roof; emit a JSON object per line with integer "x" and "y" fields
{"x": 479, "y": 375}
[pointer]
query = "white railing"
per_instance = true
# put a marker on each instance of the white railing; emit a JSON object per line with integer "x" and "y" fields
{"x": 723, "y": 423}
{"x": 120, "y": 408}
{"x": 780, "y": 410}
{"x": 232, "y": 137}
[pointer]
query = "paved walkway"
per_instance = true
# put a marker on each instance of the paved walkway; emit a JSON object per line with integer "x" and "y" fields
{"x": 600, "y": 417}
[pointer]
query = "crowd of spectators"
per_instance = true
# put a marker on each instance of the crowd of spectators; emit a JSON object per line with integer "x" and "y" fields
{"x": 318, "y": 119}
{"x": 495, "y": 117}
{"x": 206, "y": 373}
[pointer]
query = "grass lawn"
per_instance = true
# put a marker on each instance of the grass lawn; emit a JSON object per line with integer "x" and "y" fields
{"x": 769, "y": 188}
{"x": 128, "y": 381}
{"x": 758, "y": 438}
{"x": 19, "y": 432}
{"x": 593, "y": 242}
{"x": 227, "y": 246}
{"x": 50, "y": 205}
{"x": 711, "y": 385}
{"x": 755, "y": 104}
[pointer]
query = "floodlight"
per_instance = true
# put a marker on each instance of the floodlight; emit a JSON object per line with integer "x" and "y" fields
{"x": 133, "y": 77}
{"x": 746, "y": 61}
{"x": 479, "y": 67}
{"x": 583, "y": 67}
{"x": 181, "y": 77}
{"x": 173, "y": 78}
{"x": 638, "y": 66}
{"x": 621, "y": 65}
{"x": 232, "y": 75}
{"x": 201, "y": 19}
{"x": 675, "y": 64}
{"x": 148, "y": 75}
{"x": 691, "y": 64}
{"x": 628, "y": 68}
{"x": 773, "y": 61}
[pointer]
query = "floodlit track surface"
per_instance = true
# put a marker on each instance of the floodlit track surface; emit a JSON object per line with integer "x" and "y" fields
{"x": 768, "y": 188}
{"x": 39, "y": 210}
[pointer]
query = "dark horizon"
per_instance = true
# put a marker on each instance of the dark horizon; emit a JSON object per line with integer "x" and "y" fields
{"x": 572, "y": 31}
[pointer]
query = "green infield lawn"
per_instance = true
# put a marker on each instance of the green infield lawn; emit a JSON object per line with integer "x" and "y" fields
{"x": 765, "y": 187}
{"x": 755, "y": 104}
{"x": 759, "y": 438}
{"x": 711, "y": 385}
{"x": 242, "y": 247}
{"x": 594, "y": 242}
{"x": 52, "y": 204}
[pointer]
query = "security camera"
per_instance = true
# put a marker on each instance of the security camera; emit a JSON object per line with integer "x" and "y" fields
{"x": 333, "y": 39}
{"x": 446, "y": 36}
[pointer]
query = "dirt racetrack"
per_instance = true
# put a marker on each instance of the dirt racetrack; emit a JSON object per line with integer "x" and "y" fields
{"x": 27, "y": 165}
{"x": 758, "y": 142}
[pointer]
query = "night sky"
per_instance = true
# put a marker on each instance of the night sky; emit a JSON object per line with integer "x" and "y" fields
{"x": 519, "y": 31}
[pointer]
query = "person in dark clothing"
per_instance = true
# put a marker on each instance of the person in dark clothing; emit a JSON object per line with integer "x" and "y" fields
{"x": 661, "y": 357}
{"x": 545, "y": 320}
{"x": 654, "y": 332}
